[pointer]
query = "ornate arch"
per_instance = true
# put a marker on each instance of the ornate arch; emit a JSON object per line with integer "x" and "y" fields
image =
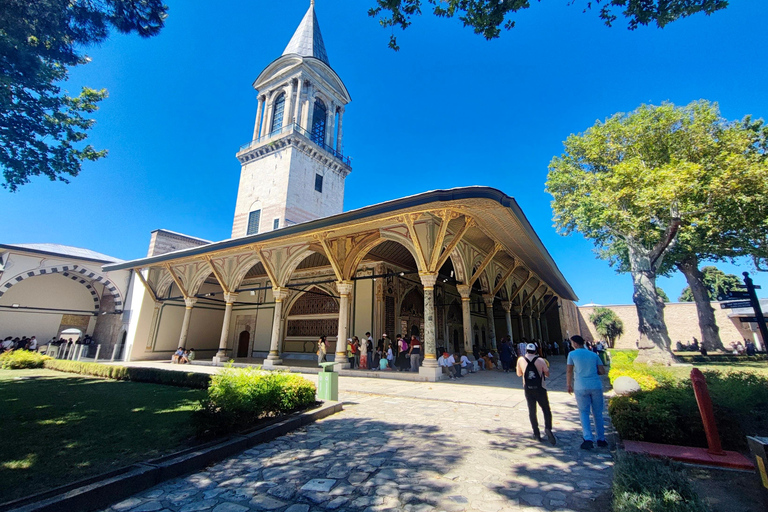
{"x": 79, "y": 273}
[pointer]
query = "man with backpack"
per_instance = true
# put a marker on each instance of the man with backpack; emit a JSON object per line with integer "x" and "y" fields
{"x": 534, "y": 371}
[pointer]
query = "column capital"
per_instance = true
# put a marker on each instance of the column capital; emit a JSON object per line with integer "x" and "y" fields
{"x": 464, "y": 291}
{"x": 280, "y": 293}
{"x": 189, "y": 302}
{"x": 344, "y": 287}
{"x": 507, "y": 305}
{"x": 488, "y": 299}
{"x": 229, "y": 298}
{"x": 428, "y": 279}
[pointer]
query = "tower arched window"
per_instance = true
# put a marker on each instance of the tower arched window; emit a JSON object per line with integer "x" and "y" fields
{"x": 319, "y": 117}
{"x": 277, "y": 113}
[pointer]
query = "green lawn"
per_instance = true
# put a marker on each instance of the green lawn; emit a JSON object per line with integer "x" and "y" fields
{"x": 59, "y": 427}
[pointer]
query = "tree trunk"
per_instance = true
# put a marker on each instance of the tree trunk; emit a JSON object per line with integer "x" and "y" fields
{"x": 710, "y": 333}
{"x": 654, "y": 343}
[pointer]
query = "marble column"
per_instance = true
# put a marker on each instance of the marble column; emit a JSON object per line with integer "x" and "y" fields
{"x": 520, "y": 324}
{"x": 538, "y": 325}
{"x": 266, "y": 126}
{"x": 288, "y": 106}
{"x": 466, "y": 317}
{"x": 273, "y": 359}
{"x": 488, "y": 299}
{"x": 330, "y": 124}
{"x": 345, "y": 290}
{"x": 298, "y": 107}
{"x": 221, "y": 355}
{"x": 507, "y": 305}
{"x": 530, "y": 324}
{"x": 189, "y": 303}
{"x": 259, "y": 113}
{"x": 338, "y": 136}
{"x": 429, "y": 368}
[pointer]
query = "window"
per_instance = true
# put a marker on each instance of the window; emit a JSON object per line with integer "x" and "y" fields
{"x": 253, "y": 222}
{"x": 276, "y": 224}
{"x": 318, "y": 183}
{"x": 277, "y": 113}
{"x": 319, "y": 117}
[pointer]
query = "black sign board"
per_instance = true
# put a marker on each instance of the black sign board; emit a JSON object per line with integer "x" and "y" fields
{"x": 737, "y": 295}
{"x": 747, "y": 319}
{"x": 756, "y": 286}
{"x": 738, "y": 304}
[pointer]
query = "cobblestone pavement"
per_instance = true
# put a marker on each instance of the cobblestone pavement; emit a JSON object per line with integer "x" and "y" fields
{"x": 462, "y": 445}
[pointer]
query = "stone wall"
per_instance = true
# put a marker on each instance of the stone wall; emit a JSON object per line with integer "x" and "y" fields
{"x": 164, "y": 241}
{"x": 681, "y": 319}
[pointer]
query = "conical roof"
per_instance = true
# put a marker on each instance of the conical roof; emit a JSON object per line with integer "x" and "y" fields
{"x": 307, "y": 40}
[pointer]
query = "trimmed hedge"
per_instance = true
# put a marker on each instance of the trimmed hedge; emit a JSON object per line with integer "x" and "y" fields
{"x": 726, "y": 358}
{"x": 20, "y": 359}
{"x": 652, "y": 485}
{"x": 669, "y": 414}
{"x": 240, "y": 397}
{"x": 148, "y": 375}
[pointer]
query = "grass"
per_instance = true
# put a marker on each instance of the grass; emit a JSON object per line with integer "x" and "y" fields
{"x": 652, "y": 485}
{"x": 58, "y": 427}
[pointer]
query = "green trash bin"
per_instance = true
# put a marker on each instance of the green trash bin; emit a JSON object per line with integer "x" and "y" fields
{"x": 328, "y": 383}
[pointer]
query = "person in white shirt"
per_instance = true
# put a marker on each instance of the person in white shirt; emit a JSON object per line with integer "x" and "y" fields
{"x": 447, "y": 367}
{"x": 466, "y": 363}
{"x": 456, "y": 366}
{"x": 33, "y": 344}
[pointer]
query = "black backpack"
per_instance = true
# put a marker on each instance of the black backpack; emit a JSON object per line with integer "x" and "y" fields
{"x": 532, "y": 378}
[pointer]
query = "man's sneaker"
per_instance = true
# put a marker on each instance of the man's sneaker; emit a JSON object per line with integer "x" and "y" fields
{"x": 602, "y": 443}
{"x": 536, "y": 437}
{"x": 553, "y": 439}
{"x": 587, "y": 445}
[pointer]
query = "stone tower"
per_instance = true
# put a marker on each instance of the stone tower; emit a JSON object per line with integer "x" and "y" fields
{"x": 294, "y": 168}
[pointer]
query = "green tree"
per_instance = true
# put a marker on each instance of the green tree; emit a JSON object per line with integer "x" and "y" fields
{"x": 662, "y": 294}
{"x": 487, "y": 17}
{"x": 631, "y": 183}
{"x": 42, "y": 129}
{"x": 607, "y": 324}
{"x": 717, "y": 283}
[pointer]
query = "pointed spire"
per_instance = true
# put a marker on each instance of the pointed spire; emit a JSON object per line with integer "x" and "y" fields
{"x": 307, "y": 40}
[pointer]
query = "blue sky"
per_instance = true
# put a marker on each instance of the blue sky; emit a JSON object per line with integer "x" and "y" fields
{"x": 449, "y": 109}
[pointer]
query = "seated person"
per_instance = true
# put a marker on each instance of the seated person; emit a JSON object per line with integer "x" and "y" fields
{"x": 455, "y": 365}
{"x": 447, "y": 367}
{"x": 466, "y": 363}
{"x": 384, "y": 364}
{"x": 489, "y": 361}
{"x": 184, "y": 358}
{"x": 177, "y": 355}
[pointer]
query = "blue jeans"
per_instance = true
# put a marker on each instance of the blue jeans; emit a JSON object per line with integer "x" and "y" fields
{"x": 587, "y": 399}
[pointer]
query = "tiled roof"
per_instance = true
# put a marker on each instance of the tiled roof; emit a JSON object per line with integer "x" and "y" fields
{"x": 64, "y": 250}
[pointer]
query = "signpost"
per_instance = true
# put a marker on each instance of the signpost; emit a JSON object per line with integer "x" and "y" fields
{"x": 736, "y": 305}
{"x": 756, "y": 307}
{"x": 733, "y": 294}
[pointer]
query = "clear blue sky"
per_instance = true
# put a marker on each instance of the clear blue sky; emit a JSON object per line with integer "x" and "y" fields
{"x": 450, "y": 109}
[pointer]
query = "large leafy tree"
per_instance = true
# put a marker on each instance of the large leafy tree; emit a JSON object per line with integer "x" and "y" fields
{"x": 42, "y": 128}
{"x": 488, "y": 17}
{"x": 607, "y": 324}
{"x": 717, "y": 283}
{"x": 633, "y": 182}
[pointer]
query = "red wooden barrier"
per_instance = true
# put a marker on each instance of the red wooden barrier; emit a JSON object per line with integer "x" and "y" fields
{"x": 707, "y": 413}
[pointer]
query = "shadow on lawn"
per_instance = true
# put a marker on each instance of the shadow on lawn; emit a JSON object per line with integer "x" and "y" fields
{"x": 58, "y": 429}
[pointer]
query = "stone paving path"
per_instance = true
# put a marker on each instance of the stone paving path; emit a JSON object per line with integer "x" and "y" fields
{"x": 452, "y": 446}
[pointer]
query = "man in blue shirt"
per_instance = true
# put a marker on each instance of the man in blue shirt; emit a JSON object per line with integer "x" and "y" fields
{"x": 583, "y": 378}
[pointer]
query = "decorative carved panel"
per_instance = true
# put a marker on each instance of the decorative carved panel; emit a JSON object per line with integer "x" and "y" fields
{"x": 313, "y": 303}
{"x": 389, "y": 315}
{"x": 314, "y": 328}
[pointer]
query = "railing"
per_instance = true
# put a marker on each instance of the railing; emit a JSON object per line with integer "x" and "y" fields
{"x": 294, "y": 127}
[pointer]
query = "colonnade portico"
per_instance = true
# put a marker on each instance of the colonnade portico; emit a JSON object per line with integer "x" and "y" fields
{"x": 368, "y": 256}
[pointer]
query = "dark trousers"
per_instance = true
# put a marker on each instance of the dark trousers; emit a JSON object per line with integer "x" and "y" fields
{"x": 505, "y": 364}
{"x": 534, "y": 396}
